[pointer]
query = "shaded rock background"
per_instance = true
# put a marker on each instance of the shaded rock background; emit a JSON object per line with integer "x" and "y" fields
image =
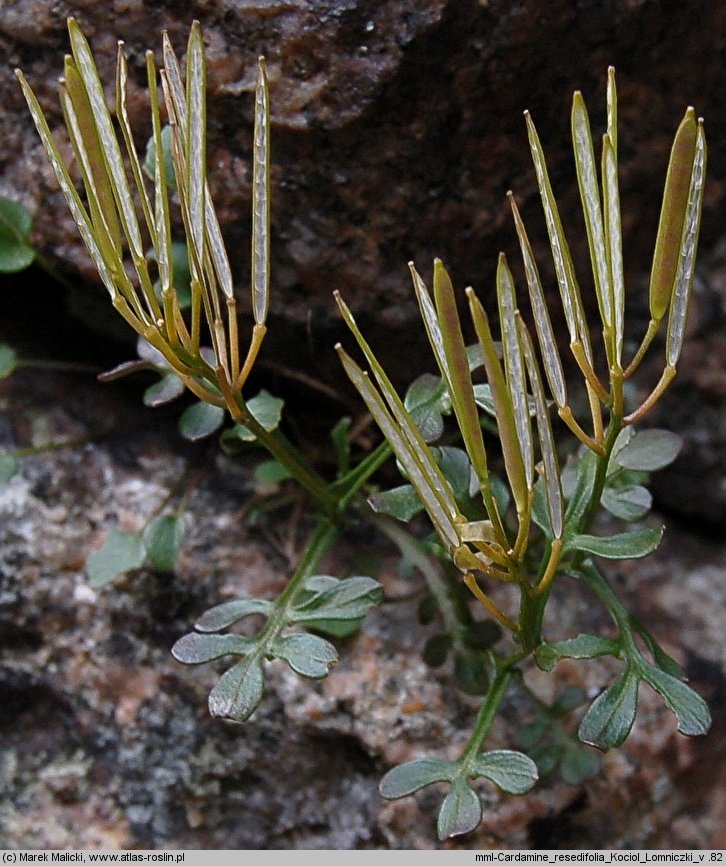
{"x": 397, "y": 131}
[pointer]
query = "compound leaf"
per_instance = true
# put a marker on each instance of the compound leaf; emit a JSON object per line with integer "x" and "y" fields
{"x": 460, "y": 812}
{"x": 223, "y": 615}
{"x": 689, "y": 707}
{"x": 195, "y": 649}
{"x": 608, "y": 721}
{"x": 307, "y": 654}
{"x": 239, "y": 691}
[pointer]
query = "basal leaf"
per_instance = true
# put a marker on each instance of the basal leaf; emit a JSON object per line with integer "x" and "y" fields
{"x": 626, "y": 545}
{"x": 307, "y": 654}
{"x": 460, "y": 812}
{"x": 195, "y": 649}
{"x": 407, "y": 778}
{"x": 121, "y": 552}
{"x": 163, "y": 539}
{"x": 200, "y": 420}
{"x": 223, "y": 615}
{"x": 511, "y": 771}
{"x": 688, "y": 706}
{"x": 608, "y": 721}
{"x": 239, "y": 691}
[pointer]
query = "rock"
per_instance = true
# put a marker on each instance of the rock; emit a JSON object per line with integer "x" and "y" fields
{"x": 107, "y": 742}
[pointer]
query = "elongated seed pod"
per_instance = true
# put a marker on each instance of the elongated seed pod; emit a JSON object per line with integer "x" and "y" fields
{"x": 672, "y": 216}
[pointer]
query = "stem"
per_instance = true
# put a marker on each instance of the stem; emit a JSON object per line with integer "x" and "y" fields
{"x": 352, "y": 482}
{"x": 614, "y": 428}
{"x": 487, "y": 713}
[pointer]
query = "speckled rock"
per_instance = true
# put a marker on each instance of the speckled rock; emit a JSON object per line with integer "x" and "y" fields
{"x": 106, "y": 740}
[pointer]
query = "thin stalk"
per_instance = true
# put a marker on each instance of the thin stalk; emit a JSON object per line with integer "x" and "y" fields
{"x": 352, "y": 482}
{"x": 487, "y": 713}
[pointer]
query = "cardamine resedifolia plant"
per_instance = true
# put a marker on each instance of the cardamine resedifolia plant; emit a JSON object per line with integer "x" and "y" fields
{"x": 531, "y": 529}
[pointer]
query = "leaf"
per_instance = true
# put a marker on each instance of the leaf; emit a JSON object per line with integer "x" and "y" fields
{"x": 9, "y": 466}
{"x": 584, "y": 646}
{"x": 578, "y": 763}
{"x": 584, "y": 484}
{"x": 482, "y": 635}
{"x": 346, "y": 599}
{"x": 625, "y": 545}
{"x": 457, "y": 469}
{"x": 8, "y": 360}
{"x": 163, "y": 539}
{"x": 200, "y": 420}
{"x": 511, "y": 771}
{"x": 470, "y": 672}
{"x": 460, "y": 812}
{"x": 649, "y": 450}
{"x": 239, "y": 691}
{"x": 628, "y": 503}
{"x": 150, "y": 158}
{"x": 436, "y": 649}
{"x": 16, "y": 252}
{"x": 265, "y": 409}
{"x": 195, "y": 649}
{"x": 407, "y": 778}
{"x": 428, "y": 400}
{"x": 340, "y": 436}
{"x": 608, "y": 721}
{"x": 271, "y": 472}
{"x": 168, "y": 388}
{"x": 120, "y": 552}
{"x": 689, "y": 707}
{"x": 223, "y": 615}
{"x": 400, "y": 502}
{"x": 307, "y": 654}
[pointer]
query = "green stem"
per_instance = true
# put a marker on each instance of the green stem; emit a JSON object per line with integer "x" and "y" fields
{"x": 351, "y": 483}
{"x": 488, "y": 712}
{"x": 614, "y": 428}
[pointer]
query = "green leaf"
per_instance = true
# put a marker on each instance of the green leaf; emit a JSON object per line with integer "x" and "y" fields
{"x": 584, "y": 483}
{"x": 346, "y": 601}
{"x": 428, "y": 400}
{"x": 271, "y": 472}
{"x": 460, "y": 812}
{"x": 16, "y": 222}
{"x": 628, "y": 503}
{"x": 9, "y": 466}
{"x": 482, "y": 635}
{"x": 223, "y": 615}
{"x": 608, "y": 721}
{"x": 168, "y": 388}
{"x": 650, "y": 450}
{"x": 339, "y": 434}
{"x": 307, "y": 654}
{"x": 239, "y": 691}
{"x": 400, "y": 502}
{"x": 470, "y": 672}
{"x": 584, "y": 646}
{"x": 457, "y": 469}
{"x": 150, "y": 158}
{"x": 121, "y": 552}
{"x": 8, "y": 360}
{"x": 200, "y": 420}
{"x": 625, "y": 545}
{"x": 436, "y": 649}
{"x": 163, "y": 539}
{"x": 407, "y": 778}
{"x": 689, "y": 707}
{"x": 195, "y": 649}
{"x": 511, "y": 771}
{"x": 578, "y": 763}
{"x": 265, "y": 409}
{"x": 660, "y": 656}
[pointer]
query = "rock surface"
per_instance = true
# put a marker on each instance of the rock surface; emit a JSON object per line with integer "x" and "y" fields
{"x": 106, "y": 740}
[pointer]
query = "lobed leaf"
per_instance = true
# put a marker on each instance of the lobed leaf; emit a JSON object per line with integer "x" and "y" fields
{"x": 195, "y": 649}
{"x": 307, "y": 654}
{"x": 407, "y": 778}
{"x": 239, "y": 691}
{"x": 511, "y": 771}
{"x": 688, "y": 706}
{"x": 460, "y": 812}
{"x": 584, "y": 646}
{"x": 609, "y": 719}
{"x": 226, "y": 614}
{"x": 351, "y": 598}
